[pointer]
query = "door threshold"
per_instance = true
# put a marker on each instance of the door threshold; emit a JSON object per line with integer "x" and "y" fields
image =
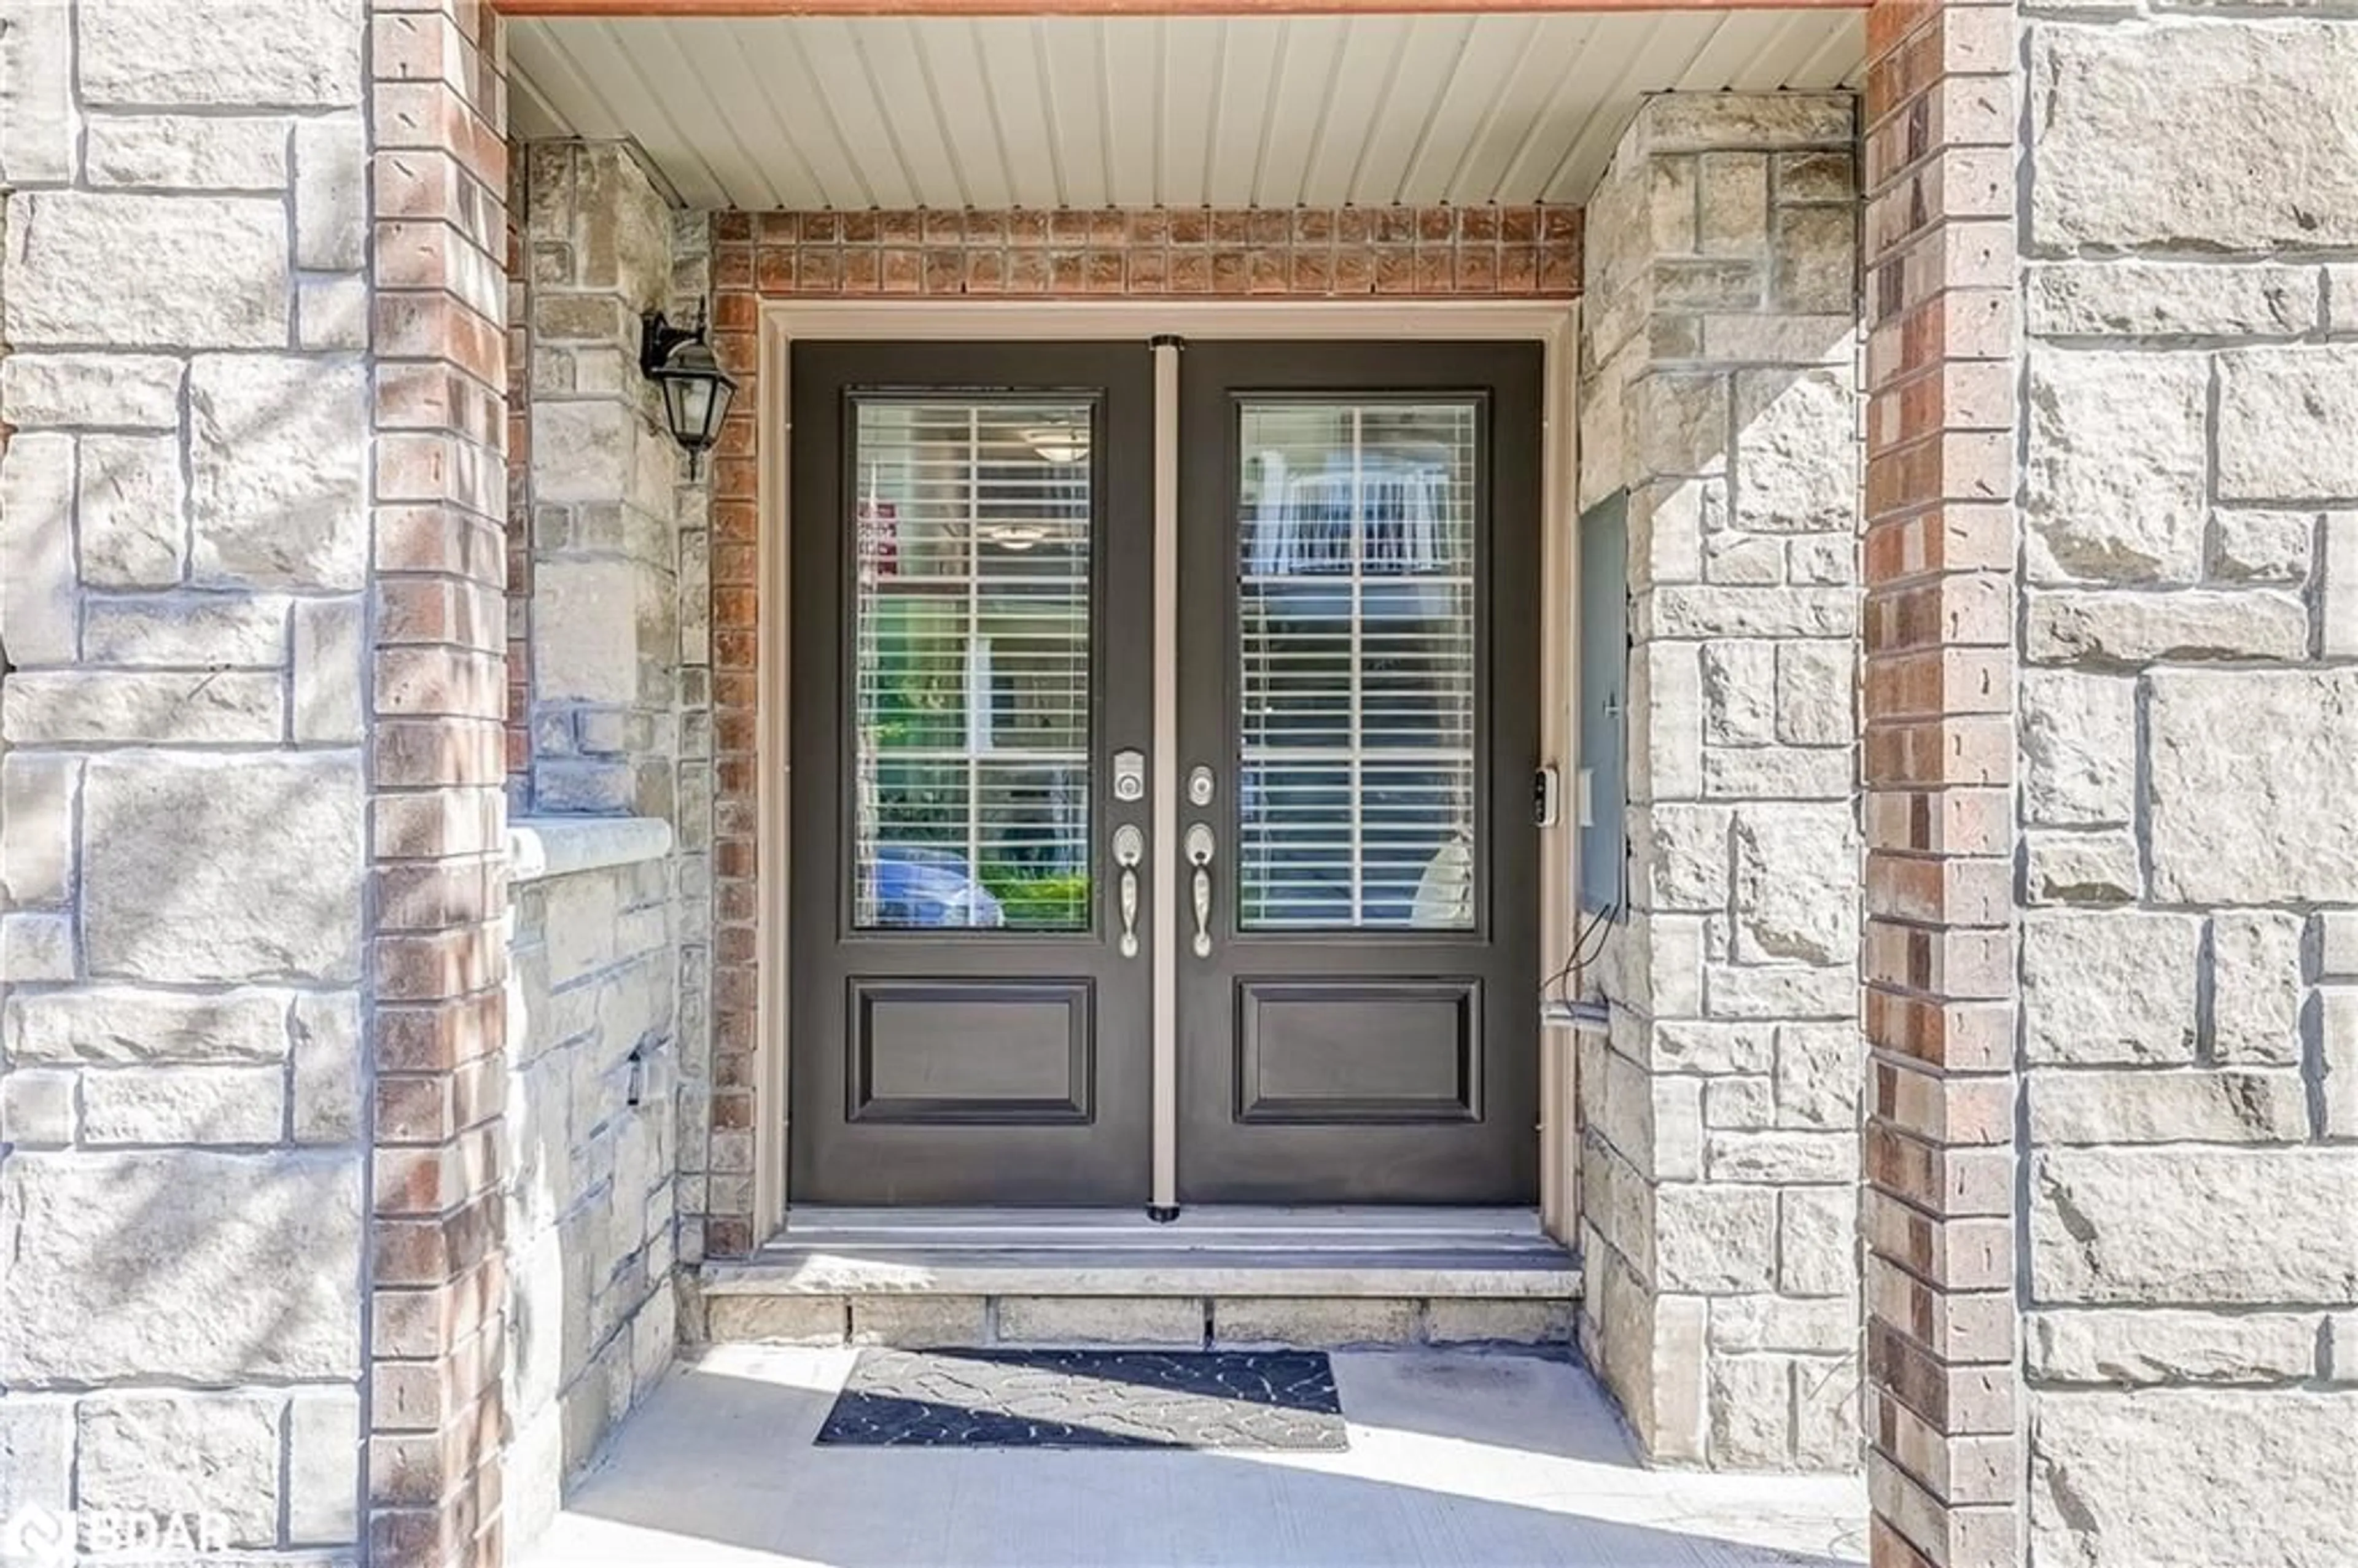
{"x": 1284, "y": 1226}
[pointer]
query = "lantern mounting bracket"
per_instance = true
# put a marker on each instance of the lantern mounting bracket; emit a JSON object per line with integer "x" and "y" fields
{"x": 658, "y": 338}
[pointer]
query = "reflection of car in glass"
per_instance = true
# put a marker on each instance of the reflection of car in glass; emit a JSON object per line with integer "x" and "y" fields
{"x": 919, "y": 885}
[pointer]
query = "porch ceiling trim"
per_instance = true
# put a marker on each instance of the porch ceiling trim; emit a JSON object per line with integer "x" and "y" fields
{"x": 665, "y": 9}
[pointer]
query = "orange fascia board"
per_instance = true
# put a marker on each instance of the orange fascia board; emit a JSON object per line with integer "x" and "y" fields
{"x": 665, "y": 9}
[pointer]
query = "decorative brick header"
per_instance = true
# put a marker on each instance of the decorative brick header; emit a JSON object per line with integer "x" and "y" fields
{"x": 1528, "y": 253}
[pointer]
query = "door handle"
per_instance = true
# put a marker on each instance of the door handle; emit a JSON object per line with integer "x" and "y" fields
{"x": 1199, "y": 855}
{"x": 1128, "y": 849}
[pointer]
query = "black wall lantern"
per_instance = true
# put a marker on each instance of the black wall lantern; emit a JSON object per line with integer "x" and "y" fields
{"x": 696, "y": 390}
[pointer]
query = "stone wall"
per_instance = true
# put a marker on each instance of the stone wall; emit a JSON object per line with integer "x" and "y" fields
{"x": 591, "y": 1132}
{"x": 1720, "y": 1143}
{"x": 2189, "y": 718}
{"x": 611, "y": 922}
{"x": 185, "y": 554}
{"x": 603, "y": 607}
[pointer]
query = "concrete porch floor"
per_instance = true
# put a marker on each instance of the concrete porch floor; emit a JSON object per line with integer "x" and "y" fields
{"x": 1457, "y": 1457}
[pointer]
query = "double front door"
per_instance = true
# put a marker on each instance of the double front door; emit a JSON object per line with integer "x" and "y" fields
{"x": 1163, "y": 815}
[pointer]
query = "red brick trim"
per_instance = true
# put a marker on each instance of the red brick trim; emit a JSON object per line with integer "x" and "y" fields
{"x": 1519, "y": 253}
{"x": 437, "y": 1030}
{"x": 1455, "y": 252}
{"x": 1945, "y": 1470}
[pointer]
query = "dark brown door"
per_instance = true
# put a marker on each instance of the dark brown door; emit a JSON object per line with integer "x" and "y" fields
{"x": 1360, "y": 611}
{"x": 971, "y": 869}
{"x": 971, "y": 661}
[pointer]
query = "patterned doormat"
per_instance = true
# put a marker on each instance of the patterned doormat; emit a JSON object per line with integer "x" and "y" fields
{"x": 1089, "y": 1399}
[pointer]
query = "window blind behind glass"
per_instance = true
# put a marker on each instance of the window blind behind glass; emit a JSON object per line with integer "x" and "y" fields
{"x": 971, "y": 696}
{"x": 1355, "y": 590}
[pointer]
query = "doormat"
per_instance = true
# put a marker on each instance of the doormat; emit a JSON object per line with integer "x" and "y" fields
{"x": 1089, "y": 1399}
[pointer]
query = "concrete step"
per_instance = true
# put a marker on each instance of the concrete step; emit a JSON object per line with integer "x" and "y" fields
{"x": 1214, "y": 1278}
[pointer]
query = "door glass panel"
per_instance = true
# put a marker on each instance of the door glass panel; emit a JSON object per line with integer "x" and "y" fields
{"x": 971, "y": 635}
{"x": 1355, "y": 586}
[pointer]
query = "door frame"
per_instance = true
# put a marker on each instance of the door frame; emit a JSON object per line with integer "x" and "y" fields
{"x": 783, "y": 322}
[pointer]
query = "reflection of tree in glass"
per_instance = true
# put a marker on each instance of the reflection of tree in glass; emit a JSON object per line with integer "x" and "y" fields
{"x": 916, "y": 694}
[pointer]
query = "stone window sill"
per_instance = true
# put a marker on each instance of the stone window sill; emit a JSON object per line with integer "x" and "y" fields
{"x": 544, "y": 846}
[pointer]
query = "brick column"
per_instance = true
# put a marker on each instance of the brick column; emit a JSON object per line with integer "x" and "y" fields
{"x": 1945, "y": 1465}
{"x": 438, "y": 817}
{"x": 702, "y": 559}
{"x": 717, "y": 1161}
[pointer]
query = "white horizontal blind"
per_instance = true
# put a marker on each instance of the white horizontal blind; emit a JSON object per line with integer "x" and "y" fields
{"x": 1356, "y": 650}
{"x": 971, "y": 637}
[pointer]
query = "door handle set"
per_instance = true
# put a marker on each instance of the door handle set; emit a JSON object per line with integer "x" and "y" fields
{"x": 1129, "y": 853}
{"x": 1128, "y": 849}
{"x": 1199, "y": 855}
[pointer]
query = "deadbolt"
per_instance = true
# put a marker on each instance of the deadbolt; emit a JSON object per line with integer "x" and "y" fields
{"x": 1199, "y": 786}
{"x": 1129, "y": 775}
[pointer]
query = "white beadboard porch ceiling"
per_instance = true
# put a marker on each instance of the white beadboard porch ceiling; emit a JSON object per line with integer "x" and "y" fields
{"x": 814, "y": 112}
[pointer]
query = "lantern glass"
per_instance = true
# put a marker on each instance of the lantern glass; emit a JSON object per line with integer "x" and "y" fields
{"x": 714, "y": 407}
{"x": 695, "y": 393}
{"x": 688, "y": 400}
